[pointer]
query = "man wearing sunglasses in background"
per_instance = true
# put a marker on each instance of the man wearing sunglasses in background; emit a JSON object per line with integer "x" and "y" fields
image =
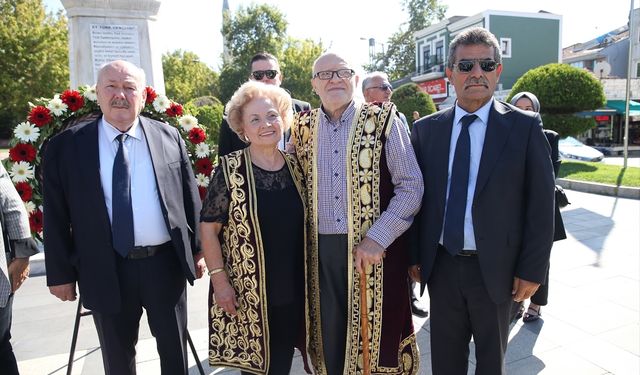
{"x": 364, "y": 186}
{"x": 376, "y": 88}
{"x": 483, "y": 236}
{"x": 264, "y": 67}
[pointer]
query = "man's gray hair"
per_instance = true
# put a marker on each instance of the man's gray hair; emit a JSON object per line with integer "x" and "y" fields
{"x": 133, "y": 69}
{"x": 367, "y": 79}
{"x": 471, "y": 37}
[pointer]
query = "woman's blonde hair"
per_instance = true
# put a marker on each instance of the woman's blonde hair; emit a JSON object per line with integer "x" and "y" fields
{"x": 251, "y": 90}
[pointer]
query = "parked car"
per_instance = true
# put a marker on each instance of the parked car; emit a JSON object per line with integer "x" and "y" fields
{"x": 572, "y": 149}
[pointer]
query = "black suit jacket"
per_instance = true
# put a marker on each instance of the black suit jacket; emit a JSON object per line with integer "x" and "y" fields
{"x": 553, "y": 138}
{"x": 77, "y": 229}
{"x": 513, "y": 201}
{"x": 228, "y": 141}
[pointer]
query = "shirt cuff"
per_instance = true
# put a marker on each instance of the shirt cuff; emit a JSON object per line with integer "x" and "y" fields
{"x": 24, "y": 248}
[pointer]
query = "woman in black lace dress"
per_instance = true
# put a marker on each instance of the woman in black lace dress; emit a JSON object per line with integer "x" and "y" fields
{"x": 252, "y": 233}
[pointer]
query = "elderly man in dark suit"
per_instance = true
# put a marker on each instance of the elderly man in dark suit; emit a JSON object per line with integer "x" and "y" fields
{"x": 483, "y": 235}
{"x": 121, "y": 207}
{"x": 263, "y": 67}
{"x": 18, "y": 246}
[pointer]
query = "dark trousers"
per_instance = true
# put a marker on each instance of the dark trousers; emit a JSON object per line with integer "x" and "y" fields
{"x": 461, "y": 308}
{"x": 156, "y": 284}
{"x": 8, "y": 363}
{"x": 283, "y": 332}
{"x": 333, "y": 253}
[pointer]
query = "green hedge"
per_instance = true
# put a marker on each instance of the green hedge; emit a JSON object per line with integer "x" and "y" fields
{"x": 409, "y": 98}
{"x": 567, "y": 125}
{"x": 208, "y": 110}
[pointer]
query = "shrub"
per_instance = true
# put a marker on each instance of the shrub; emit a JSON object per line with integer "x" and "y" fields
{"x": 208, "y": 110}
{"x": 409, "y": 98}
{"x": 562, "y": 91}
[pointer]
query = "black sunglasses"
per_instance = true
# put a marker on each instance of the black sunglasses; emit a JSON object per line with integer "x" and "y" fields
{"x": 465, "y": 66}
{"x": 258, "y": 75}
{"x": 383, "y": 87}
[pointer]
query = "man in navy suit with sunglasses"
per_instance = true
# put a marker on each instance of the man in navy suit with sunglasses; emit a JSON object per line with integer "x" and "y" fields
{"x": 264, "y": 67}
{"x": 483, "y": 236}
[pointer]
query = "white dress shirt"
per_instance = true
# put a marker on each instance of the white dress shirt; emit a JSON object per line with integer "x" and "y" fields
{"x": 148, "y": 221}
{"x": 477, "y": 132}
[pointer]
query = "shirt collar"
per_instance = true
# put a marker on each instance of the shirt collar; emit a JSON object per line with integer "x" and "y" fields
{"x": 348, "y": 112}
{"x": 112, "y": 132}
{"x": 482, "y": 112}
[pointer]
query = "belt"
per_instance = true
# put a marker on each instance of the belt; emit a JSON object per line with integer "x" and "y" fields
{"x": 140, "y": 252}
{"x": 467, "y": 253}
{"x": 462, "y": 253}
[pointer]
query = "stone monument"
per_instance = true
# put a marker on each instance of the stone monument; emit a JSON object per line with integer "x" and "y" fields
{"x": 106, "y": 30}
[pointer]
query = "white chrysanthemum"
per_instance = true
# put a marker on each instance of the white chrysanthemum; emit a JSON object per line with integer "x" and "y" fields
{"x": 202, "y": 150}
{"x": 90, "y": 93}
{"x": 21, "y": 172}
{"x": 202, "y": 180}
{"x": 29, "y": 206}
{"x": 56, "y": 106}
{"x": 188, "y": 122}
{"x": 26, "y": 132}
{"x": 161, "y": 103}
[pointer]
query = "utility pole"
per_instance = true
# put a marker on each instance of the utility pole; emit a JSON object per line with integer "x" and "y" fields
{"x": 628, "y": 89}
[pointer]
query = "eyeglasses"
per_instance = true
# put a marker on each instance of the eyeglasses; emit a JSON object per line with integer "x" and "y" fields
{"x": 465, "y": 66}
{"x": 383, "y": 87}
{"x": 258, "y": 75}
{"x": 328, "y": 74}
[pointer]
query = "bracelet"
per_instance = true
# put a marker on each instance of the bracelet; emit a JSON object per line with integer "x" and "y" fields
{"x": 215, "y": 270}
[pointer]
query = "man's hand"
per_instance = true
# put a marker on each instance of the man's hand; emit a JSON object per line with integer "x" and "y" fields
{"x": 18, "y": 272}
{"x": 367, "y": 253}
{"x": 414, "y": 273}
{"x": 523, "y": 289}
{"x": 200, "y": 265}
{"x": 65, "y": 292}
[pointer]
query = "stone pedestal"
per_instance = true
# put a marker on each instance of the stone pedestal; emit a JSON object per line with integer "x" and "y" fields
{"x": 106, "y": 30}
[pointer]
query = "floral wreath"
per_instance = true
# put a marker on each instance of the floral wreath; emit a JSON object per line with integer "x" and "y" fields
{"x": 50, "y": 116}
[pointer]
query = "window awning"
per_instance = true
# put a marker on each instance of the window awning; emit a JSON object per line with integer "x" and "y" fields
{"x": 619, "y": 106}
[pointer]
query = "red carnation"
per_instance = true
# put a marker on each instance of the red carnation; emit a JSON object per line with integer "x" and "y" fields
{"x": 151, "y": 94}
{"x": 40, "y": 116}
{"x": 73, "y": 99}
{"x": 25, "y": 191}
{"x": 204, "y": 166}
{"x": 23, "y": 152}
{"x": 174, "y": 110}
{"x": 203, "y": 192}
{"x": 196, "y": 135}
{"x": 35, "y": 221}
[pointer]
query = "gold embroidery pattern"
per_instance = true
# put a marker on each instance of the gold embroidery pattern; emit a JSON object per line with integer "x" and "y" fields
{"x": 241, "y": 341}
{"x": 303, "y": 136}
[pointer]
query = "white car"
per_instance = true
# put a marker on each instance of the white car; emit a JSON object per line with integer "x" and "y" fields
{"x": 572, "y": 149}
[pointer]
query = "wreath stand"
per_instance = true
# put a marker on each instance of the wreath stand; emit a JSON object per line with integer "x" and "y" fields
{"x": 74, "y": 339}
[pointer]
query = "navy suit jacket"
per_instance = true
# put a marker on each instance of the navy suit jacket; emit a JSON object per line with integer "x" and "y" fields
{"x": 77, "y": 230}
{"x": 513, "y": 204}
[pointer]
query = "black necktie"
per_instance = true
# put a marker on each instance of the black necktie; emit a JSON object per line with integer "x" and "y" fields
{"x": 122, "y": 213}
{"x": 453, "y": 237}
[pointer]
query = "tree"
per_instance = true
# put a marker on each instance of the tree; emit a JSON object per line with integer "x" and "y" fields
{"x": 562, "y": 91}
{"x": 399, "y": 60}
{"x": 208, "y": 110}
{"x": 297, "y": 67}
{"x": 409, "y": 98}
{"x": 34, "y": 58}
{"x": 257, "y": 28}
{"x": 186, "y": 77}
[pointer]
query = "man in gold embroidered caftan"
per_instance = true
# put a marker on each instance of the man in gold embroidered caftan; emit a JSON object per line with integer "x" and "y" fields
{"x": 364, "y": 187}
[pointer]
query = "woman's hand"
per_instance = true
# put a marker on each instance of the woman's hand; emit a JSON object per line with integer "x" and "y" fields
{"x": 223, "y": 294}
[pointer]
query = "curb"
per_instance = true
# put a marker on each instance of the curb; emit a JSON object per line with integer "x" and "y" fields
{"x": 602, "y": 189}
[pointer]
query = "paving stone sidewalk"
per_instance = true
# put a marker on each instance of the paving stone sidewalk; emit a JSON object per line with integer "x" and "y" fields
{"x": 591, "y": 325}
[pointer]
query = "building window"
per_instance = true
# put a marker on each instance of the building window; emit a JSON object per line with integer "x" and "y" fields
{"x": 637, "y": 70}
{"x": 505, "y": 45}
{"x": 439, "y": 52}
